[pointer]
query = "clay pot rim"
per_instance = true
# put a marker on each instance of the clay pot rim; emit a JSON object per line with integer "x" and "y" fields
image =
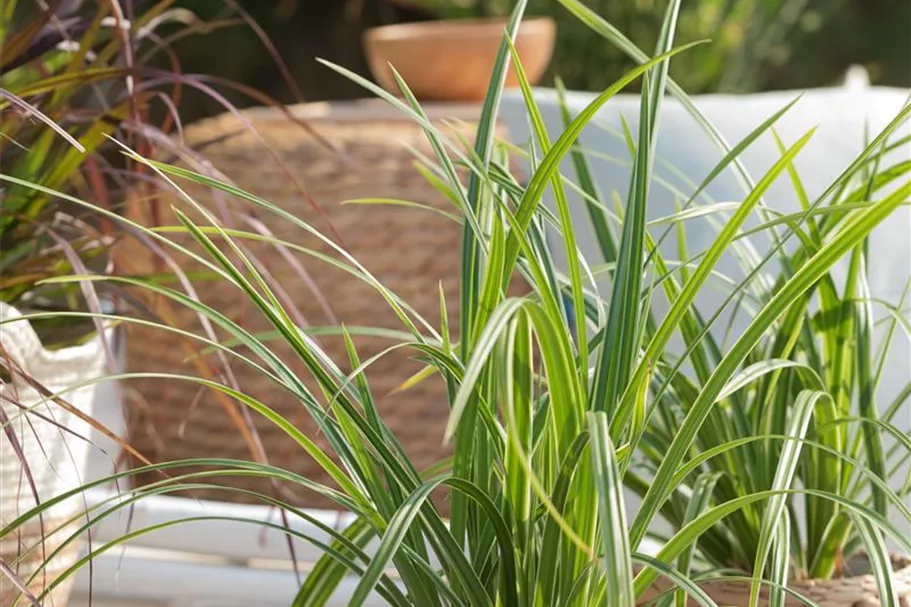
{"x": 458, "y": 29}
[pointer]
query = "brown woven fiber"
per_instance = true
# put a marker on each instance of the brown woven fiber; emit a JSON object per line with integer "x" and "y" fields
{"x": 25, "y": 551}
{"x": 854, "y": 591}
{"x": 410, "y": 251}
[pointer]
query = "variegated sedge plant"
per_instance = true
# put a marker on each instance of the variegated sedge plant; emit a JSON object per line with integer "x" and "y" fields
{"x": 550, "y": 419}
{"x": 824, "y": 342}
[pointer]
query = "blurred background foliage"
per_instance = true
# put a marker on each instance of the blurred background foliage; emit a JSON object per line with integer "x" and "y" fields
{"x": 756, "y": 45}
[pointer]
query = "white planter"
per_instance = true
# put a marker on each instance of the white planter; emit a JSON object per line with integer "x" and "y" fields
{"x": 54, "y": 443}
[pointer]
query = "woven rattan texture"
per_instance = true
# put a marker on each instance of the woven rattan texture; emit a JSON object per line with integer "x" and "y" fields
{"x": 411, "y": 251}
{"x": 849, "y": 591}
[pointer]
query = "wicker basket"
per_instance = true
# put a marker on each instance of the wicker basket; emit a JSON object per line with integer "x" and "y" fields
{"x": 855, "y": 591}
{"x": 411, "y": 251}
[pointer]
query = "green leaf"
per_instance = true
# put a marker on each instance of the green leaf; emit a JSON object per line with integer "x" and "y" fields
{"x": 471, "y": 276}
{"x": 784, "y": 478}
{"x": 853, "y": 232}
{"x": 694, "y": 285}
{"x": 620, "y": 351}
{"x": 700, "y": 501}
{"x": 618, "y": 566}
{"x": 780, "y": 561}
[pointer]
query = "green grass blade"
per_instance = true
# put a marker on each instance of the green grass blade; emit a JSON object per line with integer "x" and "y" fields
{"x": 619, "y": 352}
{"x": 392, "y": 540}
{"x": 470, "y": 272}
{"x": 880, "y": 563}
{"x": 788, "y": 462}
{"x": 867, "y": 387}
{"x": 563, "y": 211}
{"x": 700, "y": 501}
{"x": 780, "y": 570}
{"x": 551, "y": 161}
{"x": 686, "y": 584}
{"x": 597, "y": 214}
{"x": 689, "y": 533}
{"x": 618, "y": 566}
{"x": 694, "y": 285}
{"x": 848, "y": 237}
{"x": 322, "y": 581}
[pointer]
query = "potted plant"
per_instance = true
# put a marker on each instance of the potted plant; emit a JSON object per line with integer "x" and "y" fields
{"x": 554, "y": 396}
{"x": 850, "y": 446}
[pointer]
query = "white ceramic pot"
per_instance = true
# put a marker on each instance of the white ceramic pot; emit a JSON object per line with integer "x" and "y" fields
{"x": 53, "y": 442}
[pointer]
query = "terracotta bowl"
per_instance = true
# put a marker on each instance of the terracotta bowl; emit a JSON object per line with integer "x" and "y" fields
{"x": 452, "y": 60}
